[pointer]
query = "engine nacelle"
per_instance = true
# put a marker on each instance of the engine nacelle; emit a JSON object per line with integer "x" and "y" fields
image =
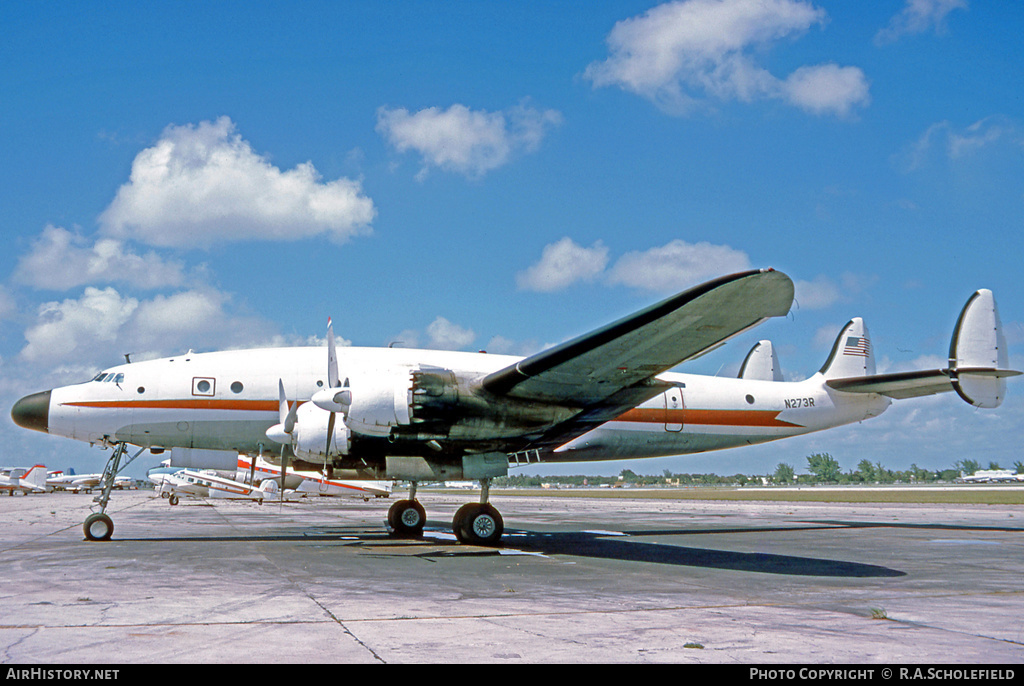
{"x": 378, "y": 402}
{"x": 434, "y": 404}
{"x": 309, "y": 437}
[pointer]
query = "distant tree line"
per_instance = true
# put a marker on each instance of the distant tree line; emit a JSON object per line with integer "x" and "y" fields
{"x": 821, "y": 468}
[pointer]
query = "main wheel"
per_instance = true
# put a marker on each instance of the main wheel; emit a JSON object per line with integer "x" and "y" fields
{"x": 478, "y": 524}
{"x": 98, "y": 527}
{"x": 407, "y": 518}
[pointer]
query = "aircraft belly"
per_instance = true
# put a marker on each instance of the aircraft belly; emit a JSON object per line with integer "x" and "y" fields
{"x": 629, "y": 440}
{"x": 223, "y": 434}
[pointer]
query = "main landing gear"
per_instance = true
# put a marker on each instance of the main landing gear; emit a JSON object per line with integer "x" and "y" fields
{"x": 99, "y": 526}
{"x": 473, "y": 524}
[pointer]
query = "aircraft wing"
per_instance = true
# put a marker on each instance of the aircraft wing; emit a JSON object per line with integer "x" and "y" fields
{"x": 612, "y": 369}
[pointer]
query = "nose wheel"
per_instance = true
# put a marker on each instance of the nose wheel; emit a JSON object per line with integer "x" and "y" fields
{"x": 98, "y": 527}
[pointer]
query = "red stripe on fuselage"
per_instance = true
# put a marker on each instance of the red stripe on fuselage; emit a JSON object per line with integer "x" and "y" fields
{"x": 690, "y": 416}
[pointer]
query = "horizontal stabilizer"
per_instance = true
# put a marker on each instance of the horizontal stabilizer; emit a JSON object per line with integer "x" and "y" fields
{"x": 977, "y": 363}
{"x": 902, "y": 385}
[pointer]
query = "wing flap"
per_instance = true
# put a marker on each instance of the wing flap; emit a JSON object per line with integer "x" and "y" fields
{"x": 587, "y": 370}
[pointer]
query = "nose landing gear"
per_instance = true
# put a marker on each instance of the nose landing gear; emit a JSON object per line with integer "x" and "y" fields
{"x": 99, "y": 526}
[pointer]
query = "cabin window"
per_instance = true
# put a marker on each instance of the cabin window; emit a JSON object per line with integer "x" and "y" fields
{"x": 203, "y": 386}
{"x": 236, "y": 386}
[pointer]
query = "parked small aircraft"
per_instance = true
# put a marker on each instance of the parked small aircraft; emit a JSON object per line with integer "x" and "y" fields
{"x": 73, "y": 482}
{"x": 24, "y": 481}
{"x": 254, "y": 470}
{"x": 429, "y": 416}
{"x": 207, "y": 483}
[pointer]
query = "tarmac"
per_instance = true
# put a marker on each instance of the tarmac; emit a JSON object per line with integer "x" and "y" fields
{"x": 576, "y": 580}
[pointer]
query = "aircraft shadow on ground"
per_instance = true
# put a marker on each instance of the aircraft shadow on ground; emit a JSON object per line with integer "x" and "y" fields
{"x": 626, "y": 546}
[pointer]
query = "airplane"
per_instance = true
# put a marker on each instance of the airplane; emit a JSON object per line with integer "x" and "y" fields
{"x": 991, "y": 475}
{"x": 252, "y": 469}
{"x": 429, "y": 416}
{"x": 73, "y": 482}
{"x": 207, "y": 483}
{"x": 31, "y": 480}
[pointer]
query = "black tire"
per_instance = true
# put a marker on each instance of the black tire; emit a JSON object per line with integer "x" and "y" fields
{"x": 478, "y": 524}
{"x": 98, "y": 527}
{"x": 173, "y": 499}
{"x": 407, "y": 518}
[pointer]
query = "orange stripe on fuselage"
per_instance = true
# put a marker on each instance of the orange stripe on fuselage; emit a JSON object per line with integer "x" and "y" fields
{"x": 184, "y": 404}
{"x": 640, "y": 415}
{"x": 644, "y": 415}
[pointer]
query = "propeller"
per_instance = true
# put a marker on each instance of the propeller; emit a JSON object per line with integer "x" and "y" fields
{"x": 332, "y": 382}
{"x": 335, "y": 398}
{"x": 282, "y": 431}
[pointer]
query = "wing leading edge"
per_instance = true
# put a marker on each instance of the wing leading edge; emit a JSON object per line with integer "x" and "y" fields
{"x": 606, "y": 363}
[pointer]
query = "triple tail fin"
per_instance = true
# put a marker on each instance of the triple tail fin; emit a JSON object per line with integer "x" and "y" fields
{"x": 761, "y": 363}
{"x": 978, "y": 352}
{"x": 852, "y": 355}
{"x": 978, "y": 362}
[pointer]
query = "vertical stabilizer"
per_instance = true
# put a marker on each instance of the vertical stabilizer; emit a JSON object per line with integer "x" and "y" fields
{"x": 852, "y": 354}
{"x": 35, "y": 478}
{"x": 978, "y": 346}
{"x": 761, "y": 363}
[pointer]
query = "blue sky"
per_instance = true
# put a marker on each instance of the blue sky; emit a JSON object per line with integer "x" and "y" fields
{"x": 503, "y": 176}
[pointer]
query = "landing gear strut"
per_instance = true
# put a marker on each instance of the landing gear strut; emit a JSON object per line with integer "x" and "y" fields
{"x": 98, "y": 526}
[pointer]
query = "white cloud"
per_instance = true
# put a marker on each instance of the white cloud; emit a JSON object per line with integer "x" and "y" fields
{"x": 66, "y": 326}
{"x": 562, "y": 264}
{"x": 918, "y": 16}
{"x": 827, "y": 88}
{"x": 677, "y": 265}
{"x": 200, "y": 185}
{"x": 470, "y": 142}
{"x": 442, "y": 334}
{"x": 102, "y": 325}
{"x": 816, "y": 295}
{"x": 60, "y": 260}
{"x": 683, "y": 54}
{"x": 445, "y": 335}
{"x": 943, "y": 138}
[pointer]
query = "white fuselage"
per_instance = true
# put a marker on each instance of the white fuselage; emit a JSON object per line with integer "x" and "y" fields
{"x": 227, "y": 401}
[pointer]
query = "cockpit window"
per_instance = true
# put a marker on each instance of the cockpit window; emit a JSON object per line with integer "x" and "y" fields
{"x": 109, "y": 376}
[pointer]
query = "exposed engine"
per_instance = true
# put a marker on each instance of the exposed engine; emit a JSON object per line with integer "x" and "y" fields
{"x": 435, "y": 405}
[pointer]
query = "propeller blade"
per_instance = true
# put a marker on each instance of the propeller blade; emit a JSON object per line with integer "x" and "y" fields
{"x": 332, "y": 357}
{"x": 282, "y": 405}
{"x": 284, "y": 468}
{"x": 330, "y": 435}
{"x": 286, "y": 415}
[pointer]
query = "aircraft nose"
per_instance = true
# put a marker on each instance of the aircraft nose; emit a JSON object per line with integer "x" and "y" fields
{"x": 33, "y": 411}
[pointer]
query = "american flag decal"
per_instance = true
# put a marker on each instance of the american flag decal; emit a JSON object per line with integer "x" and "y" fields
{"x": 858, "y": 346}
